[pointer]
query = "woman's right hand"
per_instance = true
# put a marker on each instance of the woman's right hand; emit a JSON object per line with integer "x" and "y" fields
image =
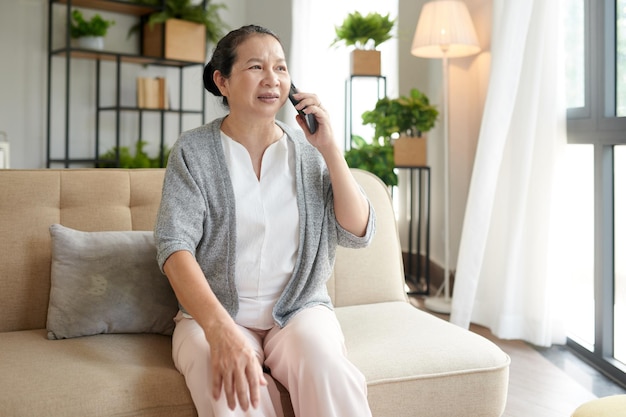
{"x": 234, "y": 363}
{"x": 235, "y": 366}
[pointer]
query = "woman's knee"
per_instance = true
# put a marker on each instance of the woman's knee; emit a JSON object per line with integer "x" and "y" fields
{"x": 312, "y": 342}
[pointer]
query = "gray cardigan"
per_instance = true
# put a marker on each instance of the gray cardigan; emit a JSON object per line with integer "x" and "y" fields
{"x": 197, "y": 214}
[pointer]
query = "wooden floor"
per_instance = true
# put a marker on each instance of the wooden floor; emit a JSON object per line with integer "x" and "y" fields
{"x": 538, "y": 387}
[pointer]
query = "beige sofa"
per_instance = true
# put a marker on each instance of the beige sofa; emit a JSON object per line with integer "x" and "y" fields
{"x": 415, "y": 364}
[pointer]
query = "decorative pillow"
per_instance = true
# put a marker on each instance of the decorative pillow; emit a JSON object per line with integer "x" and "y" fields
{"x": 107, "y": 282}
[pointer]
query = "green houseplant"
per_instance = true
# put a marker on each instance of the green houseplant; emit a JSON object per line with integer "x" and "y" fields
{"x": 404, "y": 119}
{"x": 90, "y": 33}
{"x": 127, "y": 160}
{"x": 174, "y": 31}
{"x": 365, "y": 33}
{"x": 375, "y": 157}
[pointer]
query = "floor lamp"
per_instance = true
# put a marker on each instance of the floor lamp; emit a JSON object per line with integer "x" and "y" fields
{"x": 444, "y": 30}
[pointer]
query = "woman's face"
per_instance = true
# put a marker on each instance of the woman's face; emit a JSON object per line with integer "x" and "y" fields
{"x": 259, "y": 82}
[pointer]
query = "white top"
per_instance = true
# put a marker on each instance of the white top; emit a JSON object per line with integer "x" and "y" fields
{"x": 267, "y": 228}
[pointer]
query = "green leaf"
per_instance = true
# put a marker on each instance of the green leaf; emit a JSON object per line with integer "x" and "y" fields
{"x": 140, "y": 160}
{"x": 96, "y": 26}
{"x": 373, "y": 157}
{"x": 364, "y": 31}
{"x": 411, "y": 116}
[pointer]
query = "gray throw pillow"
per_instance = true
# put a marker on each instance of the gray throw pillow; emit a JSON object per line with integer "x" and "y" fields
{"x": 107, "y": 282}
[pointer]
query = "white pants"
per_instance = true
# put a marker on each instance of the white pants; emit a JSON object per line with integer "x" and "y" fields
{"x": 307, "y": 356}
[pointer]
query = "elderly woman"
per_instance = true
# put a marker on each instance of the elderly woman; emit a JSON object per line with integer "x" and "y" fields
{"x": 251, "y": 214}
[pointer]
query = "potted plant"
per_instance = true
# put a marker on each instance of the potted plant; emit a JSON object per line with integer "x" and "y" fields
{"x": 375, "y": 157}
{"x": 365, "y": 34}
{"x": 404, "y": 120}
{"x": 181, "y": 30}
{"x": 89, "y": 33}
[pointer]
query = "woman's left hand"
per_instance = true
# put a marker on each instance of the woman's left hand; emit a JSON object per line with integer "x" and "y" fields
{"x": 351, "y": 206}
{"x": 310, "y": 104}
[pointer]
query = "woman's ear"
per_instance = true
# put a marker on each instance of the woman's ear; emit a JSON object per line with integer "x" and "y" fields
{"x": 220, "y": 81}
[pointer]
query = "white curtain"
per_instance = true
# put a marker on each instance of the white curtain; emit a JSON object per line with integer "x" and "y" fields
{"x": 507, "y": 272}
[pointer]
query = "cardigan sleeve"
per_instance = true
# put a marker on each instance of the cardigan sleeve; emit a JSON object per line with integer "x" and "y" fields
{"x": 179, "y": 224}
{"x": 348, "y": 239}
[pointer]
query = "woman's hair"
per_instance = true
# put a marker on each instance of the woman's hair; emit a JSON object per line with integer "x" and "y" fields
{"x": 225, "y": 54}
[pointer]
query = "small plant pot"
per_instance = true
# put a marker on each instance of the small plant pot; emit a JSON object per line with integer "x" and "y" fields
{"x": 91, "y": 42}
{"x": 364, "y": 62}
{"x": 410, "y": 152}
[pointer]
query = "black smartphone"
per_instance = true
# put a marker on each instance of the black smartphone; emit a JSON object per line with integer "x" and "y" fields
{"x": 309, "y": 118}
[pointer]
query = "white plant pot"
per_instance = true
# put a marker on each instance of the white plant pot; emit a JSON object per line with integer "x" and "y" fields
{"x": 91, "y": 42}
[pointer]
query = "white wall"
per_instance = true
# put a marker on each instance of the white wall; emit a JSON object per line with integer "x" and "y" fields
{"x": 23, "y": 80}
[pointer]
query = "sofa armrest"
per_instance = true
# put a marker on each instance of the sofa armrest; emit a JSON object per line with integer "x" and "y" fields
{"x": 374, "y": 274}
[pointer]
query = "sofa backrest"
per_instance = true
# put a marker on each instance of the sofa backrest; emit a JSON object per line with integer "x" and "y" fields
{"x": 32, "y": 200}
{"x": 110, "y": 199}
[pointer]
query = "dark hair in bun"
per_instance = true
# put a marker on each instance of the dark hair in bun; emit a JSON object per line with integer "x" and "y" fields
{"x": 225, "y": 54}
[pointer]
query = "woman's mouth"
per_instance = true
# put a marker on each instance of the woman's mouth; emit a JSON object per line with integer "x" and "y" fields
{"x": 269, "y": 98}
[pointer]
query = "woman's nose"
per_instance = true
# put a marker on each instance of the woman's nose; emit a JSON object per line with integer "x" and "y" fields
{"x": 271, "y": 78}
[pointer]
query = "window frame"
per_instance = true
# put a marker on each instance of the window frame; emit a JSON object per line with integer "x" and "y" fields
{"x": 592, "y": 124}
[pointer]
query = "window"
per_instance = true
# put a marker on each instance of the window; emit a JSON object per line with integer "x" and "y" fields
{"x": 580, "y": 300}
{"x": 595, "y": 49}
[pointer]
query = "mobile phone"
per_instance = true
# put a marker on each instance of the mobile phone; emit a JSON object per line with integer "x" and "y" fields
{"x": 311, "y": 123}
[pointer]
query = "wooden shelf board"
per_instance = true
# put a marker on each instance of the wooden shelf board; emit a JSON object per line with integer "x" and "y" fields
{"x": 113, "y": 6}
{"x": 112, "y": 56}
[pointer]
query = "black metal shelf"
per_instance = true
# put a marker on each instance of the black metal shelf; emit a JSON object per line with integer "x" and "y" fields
{"x": 145, "y": 109}
{"x": 69, "y": 53}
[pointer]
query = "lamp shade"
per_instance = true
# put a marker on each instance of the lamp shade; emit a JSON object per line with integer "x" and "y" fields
{"x": 444, "y": 27}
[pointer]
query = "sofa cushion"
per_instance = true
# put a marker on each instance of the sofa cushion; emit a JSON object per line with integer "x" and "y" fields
{"x": 412, "y": 359}
{"x": 107, "y": 282}
{"x": 102, "y": 375}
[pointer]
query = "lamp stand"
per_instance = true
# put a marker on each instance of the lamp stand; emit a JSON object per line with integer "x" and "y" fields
{"x": 437, "y": 303}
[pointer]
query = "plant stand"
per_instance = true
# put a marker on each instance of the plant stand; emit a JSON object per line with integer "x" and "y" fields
{"x": 380, "y": 92}
{"x": 417, "y": 273}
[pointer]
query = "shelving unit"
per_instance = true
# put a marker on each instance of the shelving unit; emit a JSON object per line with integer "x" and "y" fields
{"x": 70, "y": 53}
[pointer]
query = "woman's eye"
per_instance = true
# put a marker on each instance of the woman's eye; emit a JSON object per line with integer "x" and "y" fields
{"x": 282, "y": 68}
{"x": 255, "y": 67}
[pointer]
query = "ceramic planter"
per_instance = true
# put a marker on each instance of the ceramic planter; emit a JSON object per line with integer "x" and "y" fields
{"x": 91, "y": 42}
